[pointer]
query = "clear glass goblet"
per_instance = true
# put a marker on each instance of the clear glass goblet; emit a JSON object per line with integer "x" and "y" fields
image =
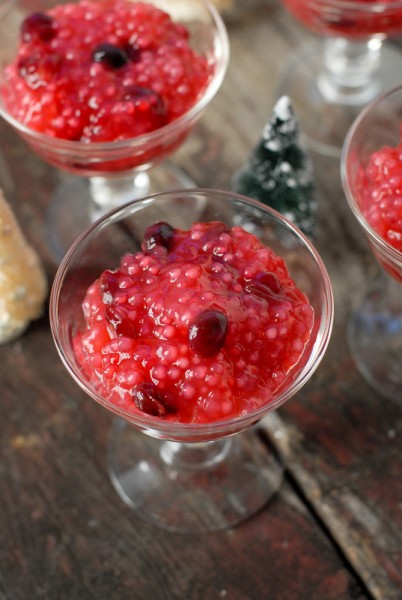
{"x": 189, "y": 476}
{"x": 331, "y": 79}
{"x": 108, "y": 174}
{"x": 375, "y": 327}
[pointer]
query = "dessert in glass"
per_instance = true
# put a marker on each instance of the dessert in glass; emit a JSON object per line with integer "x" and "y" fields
{"x": 332, "y": 79}
{"x": 106, "y": 90}
{"x": 190, "y": 329}
{"x": 371, "y": 168}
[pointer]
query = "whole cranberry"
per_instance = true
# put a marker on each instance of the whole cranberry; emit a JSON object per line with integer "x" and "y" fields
{"x": 208, "y": 331}
{"x": 147, "y": 398}
{"x": 38, "y": 25}
{"x": 110, "y": 56}
{"x": 158, "y": 234}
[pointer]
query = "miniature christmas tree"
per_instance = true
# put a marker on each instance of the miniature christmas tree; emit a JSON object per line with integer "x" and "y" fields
{"x": 279, "y": 172}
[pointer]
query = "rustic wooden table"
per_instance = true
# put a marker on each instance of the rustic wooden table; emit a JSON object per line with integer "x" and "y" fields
{"x": 334, "y": 531}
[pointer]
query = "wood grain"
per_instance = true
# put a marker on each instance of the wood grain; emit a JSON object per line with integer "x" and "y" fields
{"x": 334, "y": 532}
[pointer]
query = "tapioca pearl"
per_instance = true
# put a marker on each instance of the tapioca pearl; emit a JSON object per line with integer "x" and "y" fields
{"x": 168, "y": 332}
{"x": 226, "y": 277}
{"x": 254, "y": 357}
{"x": 240, "y": 364}
{"x": 174, "y": 274}
{"x": 279, "y": 377}
{"x": 212, "y": 380}
{"x": 186, "y": 317}
{"x": 121, "y": 345}
{"x": 135, "y": 300}
{"x": 108, "y": 371}
{"x": 218, "y": 249}
{"x": 168, "y": 353}
{"x": 192, "y": 273}
{"x": 271, "y": 333}
{"x": 217, "y": 268}
{"x": 307, "y": 312}
{"x": 132, "y": 376}
{"x": 174, "y": 373}
{"x": 207, "y": 297}
{"x": 95, "y": 360}
{"x": 281, "y": 315}
{"x": 228, "y": 258}
{"x": 249, "y": 337}
{"x": 158, "y": 373}
{"x": 297, "y": 345}
{"x": 183, "y": 362}
{"x": 187, "y": 391}
{"x": 112, "y": 358}
{"x": 243, "y": 382}
{"x": 146, "y": 330}
{"x": 301, "y": 331}
{"x": 125, "y": 282}
{"x": 227, "y": 407}
{"x": 249, "y": 272}
{"x": 199, "y": 372}
{"x": 94, "y": 340}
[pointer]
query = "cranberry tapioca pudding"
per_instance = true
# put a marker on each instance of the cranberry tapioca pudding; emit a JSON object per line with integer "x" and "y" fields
{"x": 371, "y": 167}
{"x": 103, "y": 71}
{"x": 108, "y": 90}
{"x": 191, "y": 328}
{"x": 183, "y": 329}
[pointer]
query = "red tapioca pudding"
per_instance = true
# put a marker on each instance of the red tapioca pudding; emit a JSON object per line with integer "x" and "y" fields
{"x": 105, "y": 70}
{"x": 199, "y": 326}
{"x": 378, "y": 190}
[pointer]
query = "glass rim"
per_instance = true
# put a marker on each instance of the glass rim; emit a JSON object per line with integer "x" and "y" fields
{"x": 380, "y": 7}
{"x": 377, "y": 239}
{"x": 222, "y": 52}
{"x": 223, "y": 426}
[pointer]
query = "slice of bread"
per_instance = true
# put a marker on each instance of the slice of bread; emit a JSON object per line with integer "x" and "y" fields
{"x": 23, "y": 284}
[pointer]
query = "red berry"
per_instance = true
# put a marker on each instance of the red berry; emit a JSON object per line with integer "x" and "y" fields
{"x": 110, "y": 56}
{"x": 38, "y": 25}
{"x": 159, "y": 234}
{"x": 207, "y": 333}
{"x": 265, "y": 285}
{"x": 119, "y": 321}
{"x": 148, "y": 400}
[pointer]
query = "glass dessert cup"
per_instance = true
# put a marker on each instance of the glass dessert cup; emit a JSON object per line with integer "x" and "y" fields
{"x": 189, "y": 476}
{"x": 107, "y": 174}
{"x": 375, "y": 327}
{"x": 332, "y": 79}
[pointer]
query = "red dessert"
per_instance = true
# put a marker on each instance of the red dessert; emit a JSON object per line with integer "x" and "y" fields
{"x": 100, "y": 71}
{"x": 356, "y": 19}
{"x": 378, "y": 188}
{"x": 200, "y": 326}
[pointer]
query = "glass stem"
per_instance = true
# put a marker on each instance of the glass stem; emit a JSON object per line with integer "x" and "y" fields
{"x": 350, "y": 70}
{"x": 110, "y": 192}
{"x": 194, "y": 456}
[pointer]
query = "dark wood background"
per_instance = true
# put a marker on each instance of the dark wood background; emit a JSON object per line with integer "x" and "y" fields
{"x": 335, "y": 529}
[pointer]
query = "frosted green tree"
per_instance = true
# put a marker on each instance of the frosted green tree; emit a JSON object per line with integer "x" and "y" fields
{"x": 279, "y": 172}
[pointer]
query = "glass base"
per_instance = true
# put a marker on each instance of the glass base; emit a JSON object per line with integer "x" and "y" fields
{"x": 193, "y": 487}
{"x": 323, "y": 121}
{"x": 375, "y": 339}
{"x": 78, "y": 202}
